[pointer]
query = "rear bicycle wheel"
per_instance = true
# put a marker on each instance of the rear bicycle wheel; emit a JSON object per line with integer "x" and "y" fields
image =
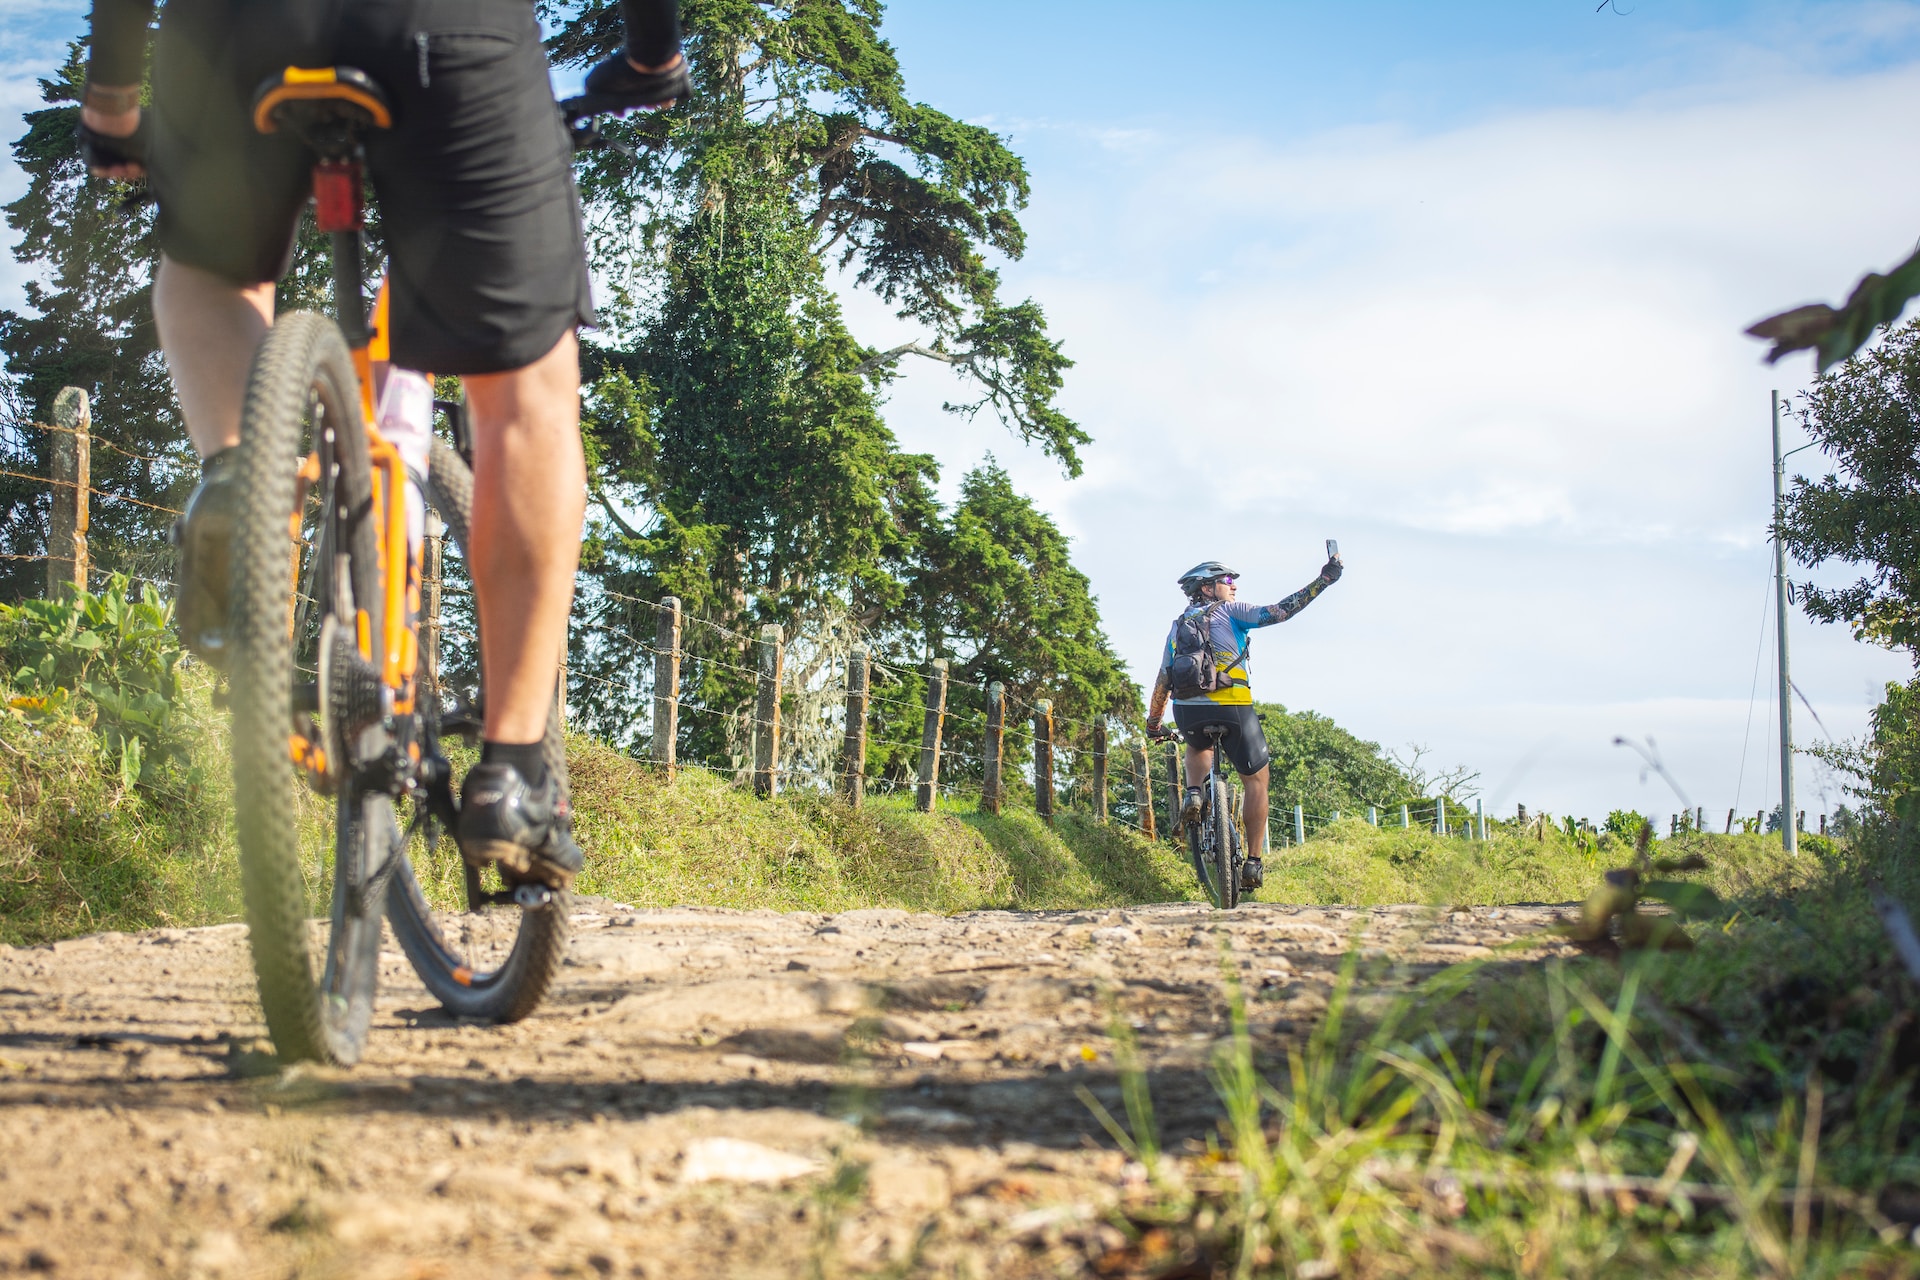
{"x": 1226, "y": 865}
{"x": 305, "y": 571}
{"x": 497, "y": 960}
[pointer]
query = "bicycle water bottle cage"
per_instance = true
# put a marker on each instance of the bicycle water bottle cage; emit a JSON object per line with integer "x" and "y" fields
{"x": 327, "y": 108}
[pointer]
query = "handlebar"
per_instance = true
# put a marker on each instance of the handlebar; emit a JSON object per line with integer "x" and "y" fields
{"x": 581, "y": 117}
{"x": 1173, "y": 733}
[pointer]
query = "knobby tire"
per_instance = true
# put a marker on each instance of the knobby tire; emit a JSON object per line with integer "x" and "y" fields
{"x": 1225, "y": 872}
{"x": 301, "y": 388}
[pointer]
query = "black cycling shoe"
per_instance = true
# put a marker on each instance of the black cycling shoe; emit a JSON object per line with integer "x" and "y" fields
{"x": 527, "y": 830}
{"x": 615, "y": 85}
{"x": 204, "y": 536}
{"x": 1191, "y": 807}
{"x": 1252, "y": 874}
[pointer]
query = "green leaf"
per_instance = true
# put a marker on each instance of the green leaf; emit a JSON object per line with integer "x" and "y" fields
{"x": 130, "y": 761}
{"x": 1692, "y": 900}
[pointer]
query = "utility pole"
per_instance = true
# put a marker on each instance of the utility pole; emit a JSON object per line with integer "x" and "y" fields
{"x": 1788, "y": 840}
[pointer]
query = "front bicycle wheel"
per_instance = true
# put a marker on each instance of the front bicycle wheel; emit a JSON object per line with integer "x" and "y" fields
{"x": 496, "y": 960}
{"x": 1226, "y": 867}
{"x": 1201, "y": 848}
{"x": 306, "y": 575}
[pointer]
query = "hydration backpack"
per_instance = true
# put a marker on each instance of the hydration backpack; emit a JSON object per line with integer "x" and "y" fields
{"x": 1193, "y": 670}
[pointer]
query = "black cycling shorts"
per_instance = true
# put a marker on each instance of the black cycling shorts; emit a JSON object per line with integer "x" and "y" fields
{"x": 1244, "y": 742}
{"x": 487, "y": 265}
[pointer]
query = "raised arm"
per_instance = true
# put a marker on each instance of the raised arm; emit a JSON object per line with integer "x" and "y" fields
{"x": 1272, "y": 613}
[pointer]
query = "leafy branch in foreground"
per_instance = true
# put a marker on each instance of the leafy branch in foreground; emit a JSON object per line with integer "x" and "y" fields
{"x": 1833, "y": 335}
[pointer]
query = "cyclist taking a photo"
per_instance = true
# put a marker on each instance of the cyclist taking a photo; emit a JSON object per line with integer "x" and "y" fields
{"x": 1204, "y": 672}
{"x": 487, "y": 280}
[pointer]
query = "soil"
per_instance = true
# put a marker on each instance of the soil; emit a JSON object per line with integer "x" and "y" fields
{"x": 705, "y": 1093}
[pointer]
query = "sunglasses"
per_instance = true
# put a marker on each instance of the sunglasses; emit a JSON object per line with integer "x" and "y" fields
{"x": 1226, "y": 581}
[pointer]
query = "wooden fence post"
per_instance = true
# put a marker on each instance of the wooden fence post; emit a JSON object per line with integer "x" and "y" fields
{"x": 432, "y": 587}
{"x": 666, "y": 684}
{"x": 1100, "y": 769}
{"x": 1043, "y": 759}
{"x": 1143, "y": 790}
{"x": 991, "y": 749}
{"x": 766, "y": 712}
{"x": 929, "y": 793}
{"x": 853, "y": 764}
{"x": 67, "y": 532}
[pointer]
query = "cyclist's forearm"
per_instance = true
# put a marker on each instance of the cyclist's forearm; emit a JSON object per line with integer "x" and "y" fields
{"x": 1294, "y": 603}
{"x": 1157, "y": 705}
{"x": 119, "y": 43}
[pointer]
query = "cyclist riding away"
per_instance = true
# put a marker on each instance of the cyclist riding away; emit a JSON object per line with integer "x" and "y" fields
{"x": 1204, "y": 672}
{"x": 487, "y": 280}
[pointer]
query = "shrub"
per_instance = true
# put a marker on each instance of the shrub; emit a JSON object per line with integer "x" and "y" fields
{"x": 102, "y": 660}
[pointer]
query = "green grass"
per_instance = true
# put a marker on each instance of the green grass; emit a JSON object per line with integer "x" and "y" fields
{"x": 1518, "y": 1119}
{"x": 706, "y": 842}
{"x": 1352, "y": 863}
{"x": 80, "y": 852}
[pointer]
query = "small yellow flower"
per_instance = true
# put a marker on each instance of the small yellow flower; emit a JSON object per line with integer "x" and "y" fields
{"x": 1089, "y": 1054}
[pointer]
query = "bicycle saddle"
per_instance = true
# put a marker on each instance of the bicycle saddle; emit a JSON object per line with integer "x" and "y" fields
{"x": 325, "y": 107}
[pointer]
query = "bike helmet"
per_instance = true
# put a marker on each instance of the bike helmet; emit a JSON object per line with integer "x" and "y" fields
{"x": 1201, "y": 574}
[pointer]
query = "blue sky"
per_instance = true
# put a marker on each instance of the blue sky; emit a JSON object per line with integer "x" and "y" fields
{"x": 1459, "y": 285}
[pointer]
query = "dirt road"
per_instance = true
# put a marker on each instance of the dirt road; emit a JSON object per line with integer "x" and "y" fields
{"x": 707, "y": 1093}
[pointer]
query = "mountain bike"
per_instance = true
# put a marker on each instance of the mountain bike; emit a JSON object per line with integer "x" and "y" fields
{"x": 334, "y": 713}
{"x": 1214, "y": 841}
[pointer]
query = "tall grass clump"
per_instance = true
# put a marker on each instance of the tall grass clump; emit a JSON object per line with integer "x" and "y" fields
{"x": 115, "y": 799}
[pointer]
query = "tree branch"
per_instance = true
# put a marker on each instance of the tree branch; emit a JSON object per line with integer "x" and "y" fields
{"x": 599, "y": 495}
{"x": 914, "y": 349}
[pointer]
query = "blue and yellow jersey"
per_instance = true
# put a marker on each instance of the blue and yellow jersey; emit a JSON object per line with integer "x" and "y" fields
{"x": 1231, "y": 628}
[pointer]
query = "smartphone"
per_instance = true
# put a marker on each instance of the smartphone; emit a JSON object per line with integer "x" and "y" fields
{"x": 1333, "y": 549}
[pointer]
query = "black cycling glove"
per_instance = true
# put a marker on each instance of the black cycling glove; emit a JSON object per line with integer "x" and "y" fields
{"x": 105, "y": 151}
{"x": 1332, "y": 570}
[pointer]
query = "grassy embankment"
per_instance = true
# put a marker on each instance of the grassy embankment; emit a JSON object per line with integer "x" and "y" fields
{"x": 79, "y": 852}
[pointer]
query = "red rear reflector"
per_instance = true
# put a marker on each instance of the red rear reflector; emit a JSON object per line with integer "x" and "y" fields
{"x": 336, "y": 196}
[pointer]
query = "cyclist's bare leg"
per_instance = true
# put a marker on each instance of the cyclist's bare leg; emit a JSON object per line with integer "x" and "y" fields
{"x": 1199, "y": 760}
{"x": 209, "y": 329}
{"x": 529, "y": 501}
{"x": 1253, "y": 812}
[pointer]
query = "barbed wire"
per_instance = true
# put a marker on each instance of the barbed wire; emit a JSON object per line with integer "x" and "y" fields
{"x": 93, "y": 439}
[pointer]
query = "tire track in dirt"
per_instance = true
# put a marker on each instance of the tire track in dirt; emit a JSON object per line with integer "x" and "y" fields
{"x": 705, "y": 1093}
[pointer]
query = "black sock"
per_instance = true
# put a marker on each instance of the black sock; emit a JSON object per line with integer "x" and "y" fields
{"x": 523, "y": 756}
{"x": 653, "y": 30}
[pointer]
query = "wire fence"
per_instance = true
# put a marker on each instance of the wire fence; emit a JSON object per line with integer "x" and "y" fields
{"x": 773, "y": 710}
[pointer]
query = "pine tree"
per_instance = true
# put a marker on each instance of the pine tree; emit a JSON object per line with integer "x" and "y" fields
{"x": 92, "y": 248}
